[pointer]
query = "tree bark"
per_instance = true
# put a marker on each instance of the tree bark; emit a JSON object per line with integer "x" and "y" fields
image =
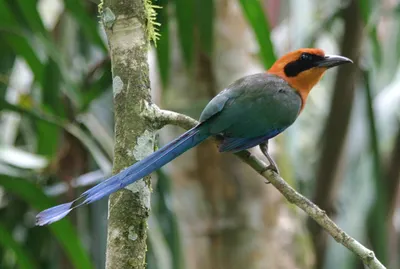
{"x": 125, "y": 24}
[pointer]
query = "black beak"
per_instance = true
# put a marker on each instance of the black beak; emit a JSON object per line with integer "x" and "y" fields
{"x": 333, "y": 60}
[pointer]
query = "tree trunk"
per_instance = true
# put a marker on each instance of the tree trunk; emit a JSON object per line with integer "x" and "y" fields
{"x": 125, "y": 24}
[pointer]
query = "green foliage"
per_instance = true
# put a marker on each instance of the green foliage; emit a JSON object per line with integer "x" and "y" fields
{"x": 185, "y": 16}
{"x": 70, "y": 93}
{"x": 48, "y": 108}
{"x": 253, "y": 11}
{"x": 62, "y": 230}
{"x": 205, "y": 15}
{"x": 22, "y": 256}
{"x": 77, "y": 9}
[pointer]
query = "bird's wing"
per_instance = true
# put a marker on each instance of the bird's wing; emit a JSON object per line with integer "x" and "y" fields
{"x": 260, "y": 105}
{"x": 234, "y": 144}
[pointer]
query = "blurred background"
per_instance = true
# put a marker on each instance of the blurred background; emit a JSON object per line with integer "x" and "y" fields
{"x": 208, "y": 209}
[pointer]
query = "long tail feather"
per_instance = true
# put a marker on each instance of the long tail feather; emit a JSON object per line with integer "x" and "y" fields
{"x": 131, "y": 174}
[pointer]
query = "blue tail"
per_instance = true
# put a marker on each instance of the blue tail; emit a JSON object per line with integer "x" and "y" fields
{"x": 131, "y": 174}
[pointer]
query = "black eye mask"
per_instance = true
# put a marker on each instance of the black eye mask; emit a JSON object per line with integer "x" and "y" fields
{"x": 304, "y": 62}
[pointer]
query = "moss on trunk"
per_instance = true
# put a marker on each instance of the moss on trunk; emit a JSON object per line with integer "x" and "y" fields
{"x": 125, "y": 24}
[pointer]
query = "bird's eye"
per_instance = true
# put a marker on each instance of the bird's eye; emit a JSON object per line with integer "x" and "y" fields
{"x": 306, "y": 57}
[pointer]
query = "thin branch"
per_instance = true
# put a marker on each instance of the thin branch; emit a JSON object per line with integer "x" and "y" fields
{"x": 164, "y": 117}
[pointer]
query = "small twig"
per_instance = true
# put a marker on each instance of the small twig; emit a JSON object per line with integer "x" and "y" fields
{"x": 164, "y": 117}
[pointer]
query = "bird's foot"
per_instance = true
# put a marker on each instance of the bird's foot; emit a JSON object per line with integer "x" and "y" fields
{"x": 272, "y": 165}
{"x": 272, "y": 168}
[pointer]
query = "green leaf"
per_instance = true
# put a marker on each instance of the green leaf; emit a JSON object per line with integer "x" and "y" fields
{"x": 377, "y": 230}
{"x": 51, "y": 88}
{"x": 185, "y": 17}
{"x": 367, "y": 8}
{"x": 20, "y": 158}
{"x": 6, "y": 17}
{"x": 253, "y": 11}
{"x": 94, "y": 149}
{"x": 88, "y": 24}
{"x": 23, "y": 258}
{"x": 205, "y": 21}
{"x": 92, "y": 90}
{"x": 14, "y": 37}
{"x": 376, "y": 47}
{"x": 48, "y": 136}
{"x": 32, "y": 16}
{"x": 21, "y": 46}
{"x": 4, "y": 105}
{"x": 62, "y": 230}
{"x": 163, "y": 48}
{"x": 165, "y": 214}
{"x": 7, "y": 57}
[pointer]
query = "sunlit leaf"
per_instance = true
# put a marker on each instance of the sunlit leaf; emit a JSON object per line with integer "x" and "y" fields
{"x": 98, "y": 155}
{"x": 62, "y": 230}
{"x": 21, "y": 158}
{"x": 254, "y": 13}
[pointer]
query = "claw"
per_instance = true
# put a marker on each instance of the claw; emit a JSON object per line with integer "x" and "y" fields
{"x": 272, "y": 165}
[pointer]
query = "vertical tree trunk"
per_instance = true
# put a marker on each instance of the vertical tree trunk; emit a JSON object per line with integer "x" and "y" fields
{"x": 125, "y": 23}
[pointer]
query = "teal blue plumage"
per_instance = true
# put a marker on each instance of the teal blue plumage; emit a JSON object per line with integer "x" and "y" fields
{"x": 245, "y": 114}
{"x": 248, "y": 112}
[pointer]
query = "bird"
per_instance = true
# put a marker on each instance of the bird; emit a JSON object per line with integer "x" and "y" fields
{"x": 248, "y": 113}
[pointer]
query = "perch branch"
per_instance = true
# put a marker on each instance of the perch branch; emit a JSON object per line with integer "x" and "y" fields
{"x": 163, "y": 117}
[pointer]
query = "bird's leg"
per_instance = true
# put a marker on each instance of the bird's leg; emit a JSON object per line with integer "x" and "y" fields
{"x": 272, "y": 165}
